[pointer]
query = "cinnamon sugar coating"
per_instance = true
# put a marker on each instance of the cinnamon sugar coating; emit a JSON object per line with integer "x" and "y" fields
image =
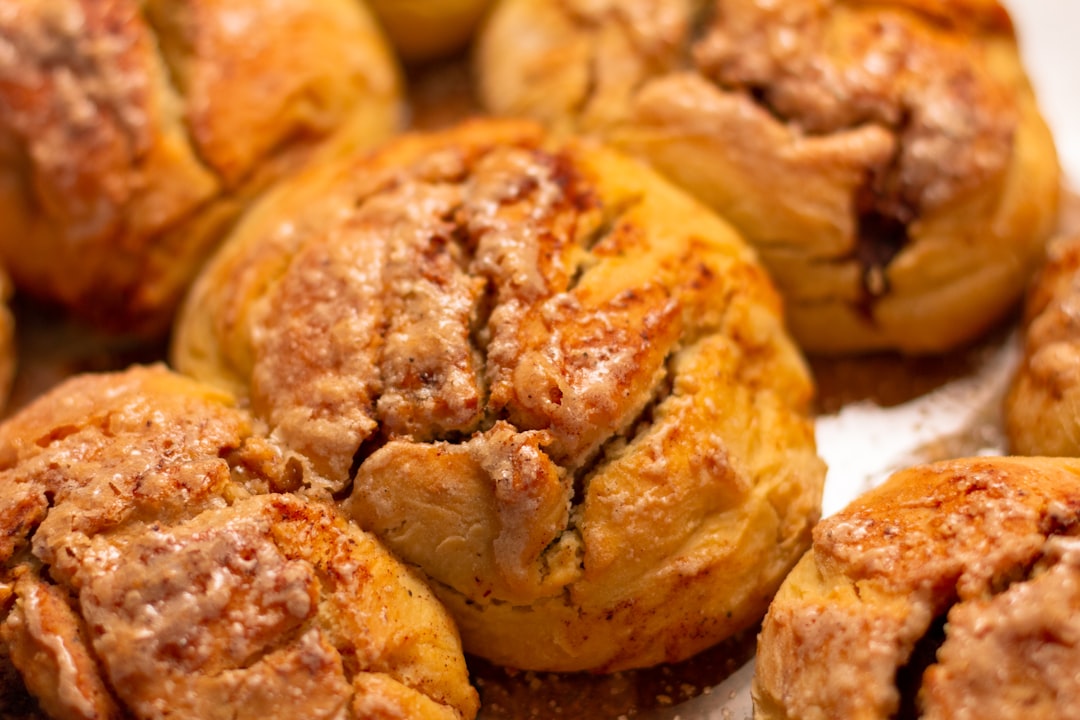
{"x": 986, "y": 546}
{"x": 887, "y": 159}
{"x": 154, "y": 565}
{"x": 133, "y": 133}
{"x": 538, "y": 372}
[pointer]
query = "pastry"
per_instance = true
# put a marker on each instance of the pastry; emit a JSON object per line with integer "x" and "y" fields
{"x": 887, "y": 159}
{"x": 1042, "y": 408}
{"x": 155, "y": 564}
{"x": 539, "y": 373}
{"x": 425, "y": 30}
{"x": 132, "y": 133}
{"x": 950, "y": 591}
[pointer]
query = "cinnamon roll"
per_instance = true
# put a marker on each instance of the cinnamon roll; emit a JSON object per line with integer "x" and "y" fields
{"x": 950, "y": 591}
{"x": 887, "y": 159}
{"x": 132, "y": 133}
{"x": 539, "y": 373}
{"x": 156, "y": 563}
{"x": 1042, "y": 407}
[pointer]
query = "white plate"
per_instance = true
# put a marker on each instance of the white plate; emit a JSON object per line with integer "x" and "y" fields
{"x": 1048, "y": 39}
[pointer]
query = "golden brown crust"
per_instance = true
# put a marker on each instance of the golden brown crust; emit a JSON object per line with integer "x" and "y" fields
{"x": 150, "y": 567}
{"x": 1042, "y": 408}
{"x": 555, "y": 383}
{"x": 983, "y": 543}
{"x": 131, "y": 133}
{"x": 887, "y": 159}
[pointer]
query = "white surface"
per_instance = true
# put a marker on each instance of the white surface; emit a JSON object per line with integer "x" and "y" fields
{"x": 1048, "y": 31}
{"x": 863, "y": 444}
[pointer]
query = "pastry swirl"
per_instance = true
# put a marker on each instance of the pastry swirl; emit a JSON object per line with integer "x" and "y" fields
{"x": 155, "y": 564}
{"x": 541, "y": 374}
{"x": 887, "y": 159}
{"x": 986, "y": 546}
{"x": 133, "y": 133}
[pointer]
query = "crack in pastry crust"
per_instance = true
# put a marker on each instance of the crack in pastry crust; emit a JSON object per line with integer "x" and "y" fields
{"x": 519, "y": 357}
{"x": 141, "y": 130}
{"x": 987, "y": 544}
{"x": 150, "y": 568}
{"x": 864, "y": 148}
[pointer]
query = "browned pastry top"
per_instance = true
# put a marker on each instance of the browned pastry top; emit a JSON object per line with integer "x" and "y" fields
{"x": 131, "y": 132}
{"x": 886, "y": 158}
{"x": 829, "y": 67}
{"x": 152, "y": 566}
{"x": 985, "y": 545}
{"x": 527, "y": 356}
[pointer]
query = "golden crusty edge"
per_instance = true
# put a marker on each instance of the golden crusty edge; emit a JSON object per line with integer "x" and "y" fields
{"x": 681, "y": 530}
{"x": 133, "y": 133}
{"x": 849, "y": 90}
{"x": 154, "y": 559}
{"x": 1042, "y": 407}
{"x": 987, "y": 544}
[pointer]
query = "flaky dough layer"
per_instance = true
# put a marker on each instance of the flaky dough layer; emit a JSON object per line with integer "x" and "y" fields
{"x": 887, "y": 159}
{"x": 154, "y": 564}
{"x": 544, "y": 376}
{"x": 986, "y": 546}
{"x": 133, "y": 132}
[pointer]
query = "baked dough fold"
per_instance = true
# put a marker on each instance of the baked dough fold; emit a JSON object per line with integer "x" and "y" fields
{"x": 887, "y": 159}
{"x": 155, "y": 564}
{"x": 538, "y": 372}
{"x": 426, "y": 30}
{"x": 949, "y": 591}
{"x": 132, "y": 133}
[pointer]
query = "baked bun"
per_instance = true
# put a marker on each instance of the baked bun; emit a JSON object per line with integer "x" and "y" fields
{"x": 554, "y": 383}
{"x": 423, "y": 30}
{"x": 986, "y": 546}
{"x": 152, "y": 568}
{"x": 132, "y": 133}
{"x": 887, "y": 159}
{"x": 1042, "y": 408}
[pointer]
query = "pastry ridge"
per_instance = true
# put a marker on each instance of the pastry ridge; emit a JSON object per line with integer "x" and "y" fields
{"x": 158, "y": 557}
{"x": 983, "y": 549}
{"x": 888, "y": 160}
{"x": 540, "y": 373}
